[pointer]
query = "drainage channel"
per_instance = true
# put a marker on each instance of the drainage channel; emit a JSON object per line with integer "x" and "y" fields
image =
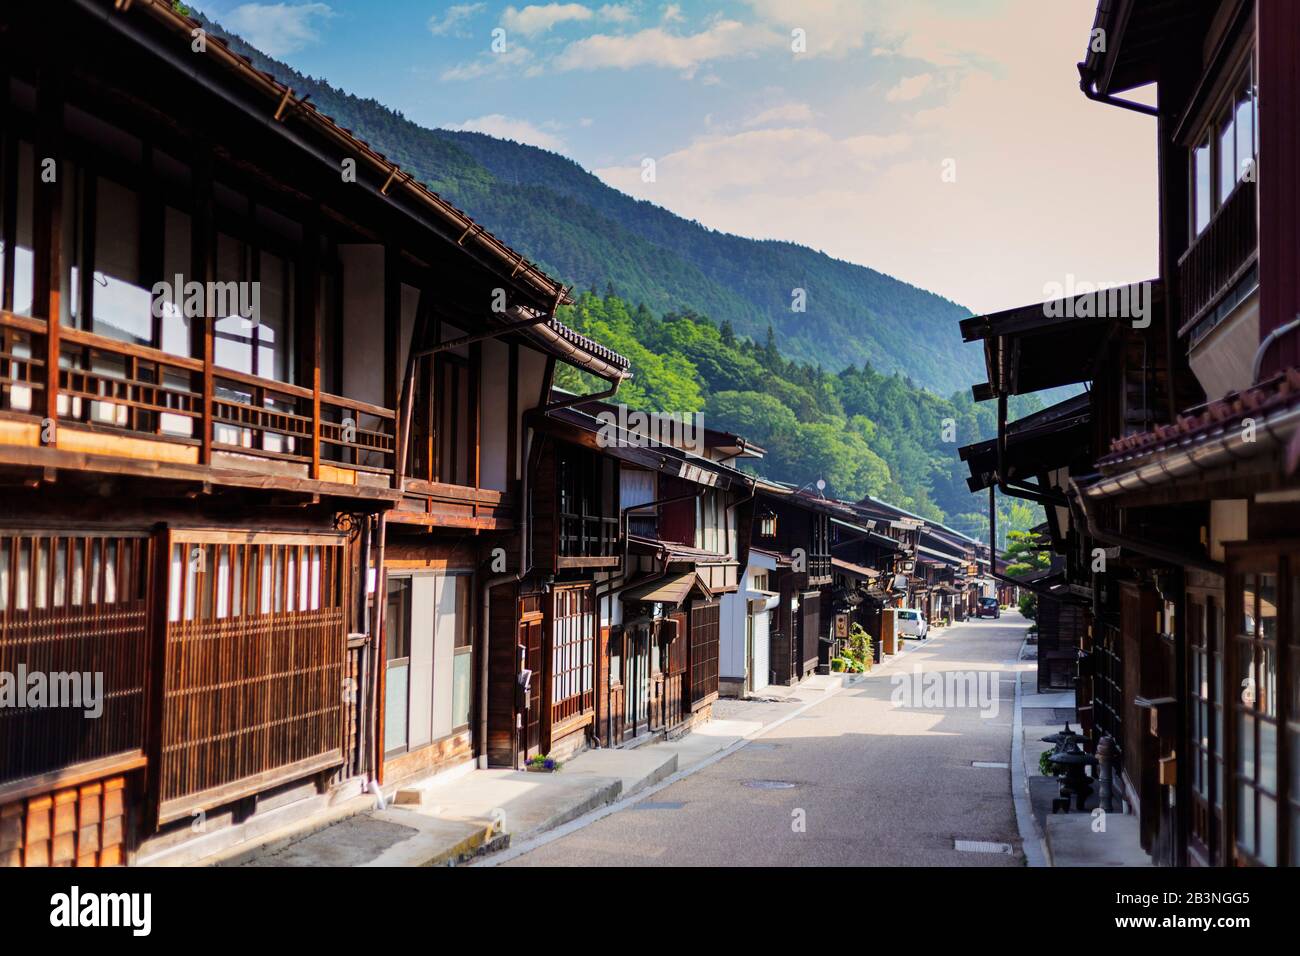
{"x": 981, "y": 846}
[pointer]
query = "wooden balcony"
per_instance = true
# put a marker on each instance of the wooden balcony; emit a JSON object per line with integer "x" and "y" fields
{"x": 129, "y": 409}
{"x": 819, "y": 569}
{"x": 434, "y": 504}
{"x": 1218, "y": 258}
{"x": 588, "y": 541}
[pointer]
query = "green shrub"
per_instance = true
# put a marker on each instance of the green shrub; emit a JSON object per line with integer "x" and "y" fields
{"x": 860, "y": 643}
{"x": 1045, "y": 764}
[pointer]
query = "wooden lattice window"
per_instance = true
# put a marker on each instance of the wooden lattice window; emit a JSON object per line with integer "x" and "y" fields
{"x": 73, "y": 612}
{"x": 573, "y": 647}
{"x": 255, "y": 655}
{"x": 705, "y": 623}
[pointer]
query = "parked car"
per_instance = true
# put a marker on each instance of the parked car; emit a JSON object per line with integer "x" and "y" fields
{"x": 989, "y": 608}
{"x": 909, "y": 622}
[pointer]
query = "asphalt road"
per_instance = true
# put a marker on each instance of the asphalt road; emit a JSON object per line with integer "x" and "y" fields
{"x": 872, "y": 784}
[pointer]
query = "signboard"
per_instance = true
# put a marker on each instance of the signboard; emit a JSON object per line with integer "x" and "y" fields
{"x": 841, "y": 625}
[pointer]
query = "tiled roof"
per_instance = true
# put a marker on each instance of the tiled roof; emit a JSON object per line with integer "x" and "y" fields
{"x": 1197, "y": 424}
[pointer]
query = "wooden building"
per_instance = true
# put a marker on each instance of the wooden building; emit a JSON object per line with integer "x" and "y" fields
{"x": 250, "y": 379}
{"x": 1180, "y": 531}
{"x": 795, "y": 526}
{"x": 615, "y": 625}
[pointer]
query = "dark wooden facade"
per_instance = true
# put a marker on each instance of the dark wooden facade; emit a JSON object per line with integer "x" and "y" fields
{"x": 1185, "y": 575}
{"x": 212, "y": 510}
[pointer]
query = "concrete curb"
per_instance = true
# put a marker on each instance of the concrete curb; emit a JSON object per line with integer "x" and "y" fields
{"x": 1033, "y": 843}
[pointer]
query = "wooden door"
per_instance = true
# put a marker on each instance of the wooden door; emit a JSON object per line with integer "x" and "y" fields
{"x": 636, "y": 680}
{"x": 675, "y": 638}
{"x": 530, "y": 639}
{"x": 1204, "y": 725}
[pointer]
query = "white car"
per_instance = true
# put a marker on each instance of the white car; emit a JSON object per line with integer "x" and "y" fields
{"x": 909, "y": 622}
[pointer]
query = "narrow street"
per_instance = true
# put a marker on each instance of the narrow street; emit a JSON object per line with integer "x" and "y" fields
{"x": 873, "y": 784}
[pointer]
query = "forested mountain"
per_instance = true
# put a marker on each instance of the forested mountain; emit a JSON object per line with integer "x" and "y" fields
{"x": 589, "y": 234}
{"x": 843, "y": 391}
{"x": 860, "y": 429}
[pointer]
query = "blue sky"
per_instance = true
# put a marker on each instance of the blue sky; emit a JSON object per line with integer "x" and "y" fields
{"x": 942, "y": 141}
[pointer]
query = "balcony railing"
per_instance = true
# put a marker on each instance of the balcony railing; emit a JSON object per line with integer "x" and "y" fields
{"x": 588, "y": 536}
{"x": 118, "y": 388}
{"x": 819, "y": 565}
{"x": 1219, "y": 256}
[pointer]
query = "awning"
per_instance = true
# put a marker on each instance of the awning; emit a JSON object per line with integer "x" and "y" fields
{"x": 943, "y": 556}
{"x": 675, "y": 553}
{"x": 1042, "y": 442}
{"x": 875, "y": 537}
{"x": 851, "y": 568}
{"x": 1025, "y": 347}
{"x": 672, "y": 589}
{"x": 578, "y": 427}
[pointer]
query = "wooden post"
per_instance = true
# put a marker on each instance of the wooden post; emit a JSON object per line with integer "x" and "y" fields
{"x": 309, "y": 326}
{"x": 203, "y": 254}
{"x": 47, "y": 232}
{"x": 512, "y": 417}
{"x": 476, "y": 410}
{"x": 393, "y": 377}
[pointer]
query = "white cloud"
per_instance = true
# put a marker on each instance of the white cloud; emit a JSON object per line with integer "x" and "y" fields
{"x": 789, "y": 114}
{"x": 489, "y": 64}
{"x": 451, "y": 21}
{"x": 278, "y": 29}
{"x": 673, "y": 13}
{"x": 540, "y": 17}
{"x": 616, "y": 13}
{"x": 724, "y": 39}
{"x": 1029, "y": 151}
{"x": 909, "y": 88}
{"x": 507, "y": 127}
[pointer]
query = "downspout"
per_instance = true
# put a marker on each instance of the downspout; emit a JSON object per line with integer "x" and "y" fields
{"x": 1160, "y": 552}
{"x": 579, "y": 399}
{"x": 377, "y": 753}
{"x": 1268, "y": 342}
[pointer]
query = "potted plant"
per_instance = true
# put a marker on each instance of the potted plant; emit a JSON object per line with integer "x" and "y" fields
{"x": 542, "y": 763}
{"x": 860, "y": 646}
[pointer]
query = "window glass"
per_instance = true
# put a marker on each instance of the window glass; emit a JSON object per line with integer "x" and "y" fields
{"x": 1201, "y": 181}
{"x": 122, "y": 303}
{"x": 274, "y": 331}
{"x": 462, "y": 669}
{"x": 176, "y": 263}
{"x": 397, "y": 625}
{"x": 1245, "y": 123}
{"x": 233, "y": 345}
{"x": 24, "y": 260}
{"x": 1227, "y": 157}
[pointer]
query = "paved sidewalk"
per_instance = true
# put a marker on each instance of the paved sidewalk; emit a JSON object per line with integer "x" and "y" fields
{"x": 442, "y": 821}
{"x": 1070, "y": 839}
